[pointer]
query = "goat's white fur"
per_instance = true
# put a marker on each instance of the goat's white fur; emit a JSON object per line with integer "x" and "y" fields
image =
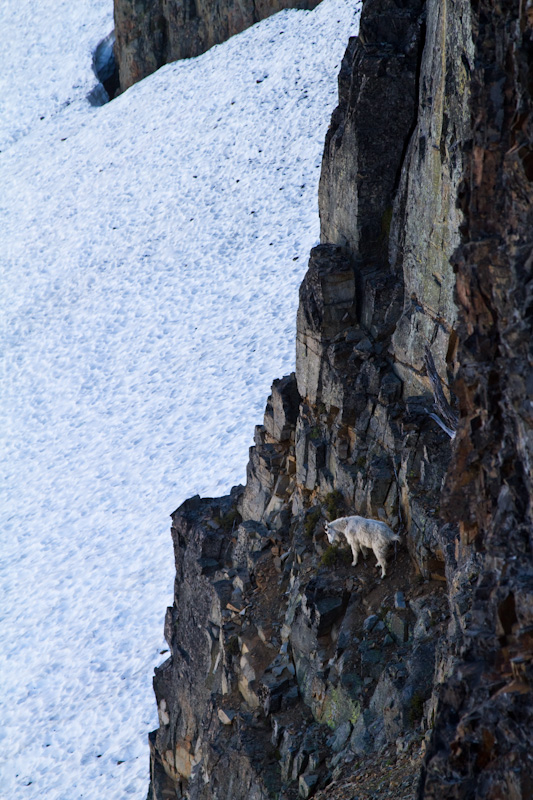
{"x": 363, "y": 533}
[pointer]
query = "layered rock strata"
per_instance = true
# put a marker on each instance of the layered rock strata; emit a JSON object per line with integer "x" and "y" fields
{"x": 150, "y": 33}
{"x": 290, "y": 669}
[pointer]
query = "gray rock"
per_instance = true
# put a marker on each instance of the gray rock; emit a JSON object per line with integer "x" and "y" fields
{"x": 340, "y": 737}
{"x": 399, "y": 600}
{"x": 398, "y": 627}
{"x": 370, "y": 622}
{"x": 307, "y": 785}
{"x": 226, "y": 716}
{"x": 327, "y": 302}
{"x": 282, "y": 408}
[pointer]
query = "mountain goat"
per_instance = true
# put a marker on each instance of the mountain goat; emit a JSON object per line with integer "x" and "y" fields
{"x": 363, "y": 533}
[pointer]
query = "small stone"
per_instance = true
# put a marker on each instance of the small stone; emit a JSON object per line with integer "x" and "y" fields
{"x": 370, "y": 623}
{"x": 307, "y": 785}
{"x": 388, "y": 640}
{"x": 399, "y": 601}
{"x": 399, "y": 628}
{"x": 226, "y": 717}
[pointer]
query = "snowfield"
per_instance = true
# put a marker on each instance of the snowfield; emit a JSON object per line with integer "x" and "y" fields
{"x": 151, "y": 254}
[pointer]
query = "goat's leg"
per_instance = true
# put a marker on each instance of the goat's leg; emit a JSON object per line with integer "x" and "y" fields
{"x": 382, "y": 562}
{"x": 355, "y": 551}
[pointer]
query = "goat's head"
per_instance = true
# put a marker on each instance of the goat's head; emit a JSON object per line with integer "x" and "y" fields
{"x": 331, "y": 533}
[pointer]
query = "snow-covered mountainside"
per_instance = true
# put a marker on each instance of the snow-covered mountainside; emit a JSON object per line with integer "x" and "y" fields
{"x": 151, "y": 251}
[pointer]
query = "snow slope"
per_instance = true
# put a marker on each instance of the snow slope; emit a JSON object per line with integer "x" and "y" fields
{"x": 46, "y": 52}
{"x": 151, "y": 253}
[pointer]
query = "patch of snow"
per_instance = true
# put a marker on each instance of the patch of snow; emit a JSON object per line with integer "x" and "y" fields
{"x": 152, "y": 251}
{"x": 46, "y": 53}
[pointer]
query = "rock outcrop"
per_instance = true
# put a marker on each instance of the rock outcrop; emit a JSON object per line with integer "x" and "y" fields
{"x": 293, "y": 673}
{"x": 484, "y": 721}
{"x": 150, "y": 33}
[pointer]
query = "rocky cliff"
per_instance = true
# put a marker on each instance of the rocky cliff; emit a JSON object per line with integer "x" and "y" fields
{"x": 484, "y": 721}
{"x": 292, "y": 672}
{"x": 150, "y": 33}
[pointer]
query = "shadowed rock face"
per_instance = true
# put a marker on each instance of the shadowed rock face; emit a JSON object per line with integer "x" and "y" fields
{"x": 150, "y": 33}
{"x": 481, "y": 746}
{"x": 290, "y": 668}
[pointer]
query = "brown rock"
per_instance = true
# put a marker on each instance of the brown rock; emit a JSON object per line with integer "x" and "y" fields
{"x": 150, "y": 33}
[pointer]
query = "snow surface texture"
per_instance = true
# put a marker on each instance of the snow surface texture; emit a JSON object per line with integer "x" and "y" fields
{"x": 46, "y": 53}
{"x": 151, "y": 253}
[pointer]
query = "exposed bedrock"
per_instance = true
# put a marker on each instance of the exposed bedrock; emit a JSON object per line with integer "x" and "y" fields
{"x": 293, "y": 673}
{"x": 484, "y": 722}
{"x": 150, "y": 33}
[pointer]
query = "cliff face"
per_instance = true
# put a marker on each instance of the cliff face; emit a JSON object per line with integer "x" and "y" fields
{"x": 484, "y": 722}
{"x": 291, "y": 671}
{"x": 150, "y": 33}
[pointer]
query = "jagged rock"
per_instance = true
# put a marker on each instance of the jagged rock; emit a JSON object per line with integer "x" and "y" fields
{"x": 254, "y": 660}
{"x": 425, "y": 618}
{"x": 306, "y": 785}
{"x": 272, "y": 462}
{"x": 282, "y": 408}
{"x": 273, "y": 689}
{"x": 341, "y": 736}
{"x": 399, "y": 601}
{"x": 384, "y": 57}
{"x": 398, "y": 627}
{"x": 370, "y": 622}
{"x": 289, "y": 747}
{"x": 226, "y": 716}
{"x": 185, "y": 746}
{"x": 483, "y": 721}
{"x": 327, "y": 307}
{"x": 252, "y": 538}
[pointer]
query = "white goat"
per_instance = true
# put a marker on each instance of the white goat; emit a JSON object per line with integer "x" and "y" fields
{"x": 363, "y": 533}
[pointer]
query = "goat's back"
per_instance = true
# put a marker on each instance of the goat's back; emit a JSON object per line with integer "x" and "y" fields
{"x": 367, "y": 529}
